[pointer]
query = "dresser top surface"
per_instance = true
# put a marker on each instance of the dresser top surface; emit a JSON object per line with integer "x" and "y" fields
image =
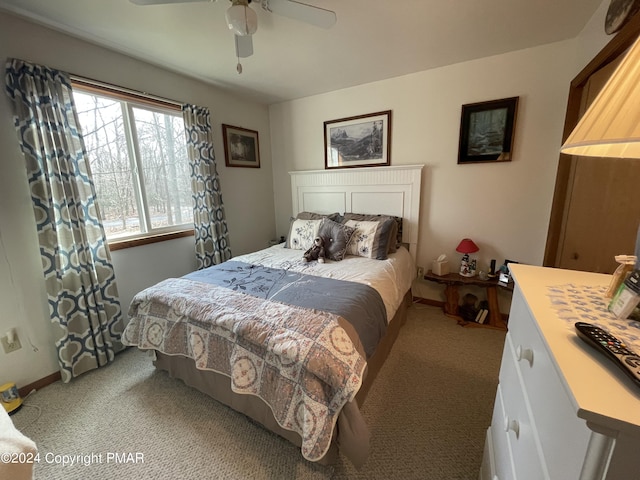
{"x": 601, "y": 393}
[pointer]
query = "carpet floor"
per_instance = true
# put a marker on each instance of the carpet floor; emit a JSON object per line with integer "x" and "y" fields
{"x": 428, "y": 412}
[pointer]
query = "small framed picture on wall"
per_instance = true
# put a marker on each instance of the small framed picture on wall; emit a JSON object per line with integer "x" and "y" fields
{"x": 486, "y": 131}
{"x": 241, "y": 147}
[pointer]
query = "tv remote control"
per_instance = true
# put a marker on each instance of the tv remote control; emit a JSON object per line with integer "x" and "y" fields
{"x": 612, "y": 347}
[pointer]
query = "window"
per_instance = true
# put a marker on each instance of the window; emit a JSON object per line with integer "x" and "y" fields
{"x": 138, "y": 158}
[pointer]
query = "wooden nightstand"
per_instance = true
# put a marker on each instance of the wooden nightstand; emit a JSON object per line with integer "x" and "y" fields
{"x": 452, "y": 307}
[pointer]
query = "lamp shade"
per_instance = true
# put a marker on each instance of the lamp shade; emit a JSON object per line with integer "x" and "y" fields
{"x": 241, "y": 19}
{"x": 466, "y": 245}
{"x": 611, "y": 125}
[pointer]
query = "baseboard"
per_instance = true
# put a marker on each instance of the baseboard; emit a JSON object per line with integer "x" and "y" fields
{"x": 428, "y": 301}
{"x": 38, "y": 384}
{"x": 43, "y": 382}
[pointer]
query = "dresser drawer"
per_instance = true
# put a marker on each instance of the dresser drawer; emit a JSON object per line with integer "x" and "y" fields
{"x": 488, "y": 467}
{"x": 501, "y": 449}
{"x": 517, "y": 424}
{"x": 563, "y": 436}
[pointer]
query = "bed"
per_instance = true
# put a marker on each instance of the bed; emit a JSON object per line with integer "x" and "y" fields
{"x": 296, "y": 345}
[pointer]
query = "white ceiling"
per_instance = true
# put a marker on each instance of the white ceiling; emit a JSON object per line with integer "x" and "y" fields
{"x": 372, "y": 39}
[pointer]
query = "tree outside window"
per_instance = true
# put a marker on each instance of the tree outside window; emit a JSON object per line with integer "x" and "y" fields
{"x": 139, "y": 164}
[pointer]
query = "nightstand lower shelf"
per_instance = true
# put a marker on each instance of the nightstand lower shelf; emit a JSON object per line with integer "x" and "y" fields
{"x": 451, "y": 306}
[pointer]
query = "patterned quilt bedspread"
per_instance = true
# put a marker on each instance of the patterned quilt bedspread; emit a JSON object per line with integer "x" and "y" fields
{"x": 299, "y": 360}
{"x": 359, "y": 304}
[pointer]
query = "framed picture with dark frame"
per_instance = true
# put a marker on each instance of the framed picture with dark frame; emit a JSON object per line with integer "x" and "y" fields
{"x": 241, "y": 147}
{"x": 360, "y": 141}
{"x": 486, "y": 131}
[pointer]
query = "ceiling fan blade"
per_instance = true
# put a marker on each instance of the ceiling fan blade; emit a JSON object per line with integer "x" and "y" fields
{"x": 301, "y": 11}
{"x": 244, "y": 46}
{"x": 163, "y": 2}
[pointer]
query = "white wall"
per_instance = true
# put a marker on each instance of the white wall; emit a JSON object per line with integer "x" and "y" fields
{"x": 503, "y": 207}
{"x": 22, "y": 295}
{"x": 592, "y": 38}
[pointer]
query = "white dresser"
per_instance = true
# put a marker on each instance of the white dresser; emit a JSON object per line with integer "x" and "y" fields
{"x": 563, "y": 411}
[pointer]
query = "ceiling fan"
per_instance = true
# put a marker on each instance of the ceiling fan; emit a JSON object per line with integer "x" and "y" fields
{"x": 243, "y": 21}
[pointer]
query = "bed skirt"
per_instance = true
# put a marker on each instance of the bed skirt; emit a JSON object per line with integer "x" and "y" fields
{"x": 351, "y": 435}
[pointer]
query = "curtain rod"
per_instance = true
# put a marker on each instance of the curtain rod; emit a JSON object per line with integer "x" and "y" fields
{"x": 88, "y": 82}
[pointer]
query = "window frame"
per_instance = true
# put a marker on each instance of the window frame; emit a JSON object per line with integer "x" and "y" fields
{"x": 150, "y": 102}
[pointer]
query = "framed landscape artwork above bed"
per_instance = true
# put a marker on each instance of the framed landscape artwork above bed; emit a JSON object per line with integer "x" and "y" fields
{"x": 359, "y": 141}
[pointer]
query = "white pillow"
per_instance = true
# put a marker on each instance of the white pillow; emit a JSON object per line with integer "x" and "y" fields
{"x": 364, "y": 240}
{"x": 302, "y": 233}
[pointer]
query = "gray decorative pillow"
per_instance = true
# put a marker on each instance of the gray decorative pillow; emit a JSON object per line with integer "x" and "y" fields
{"x": 302, "y": 233}
{"x": 336, "y": 238}
{"x": 395, "y": 235}
{"x": 318, "y": 216}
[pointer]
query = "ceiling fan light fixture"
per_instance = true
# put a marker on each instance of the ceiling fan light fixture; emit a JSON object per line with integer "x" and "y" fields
{"x": 241, "y": 19}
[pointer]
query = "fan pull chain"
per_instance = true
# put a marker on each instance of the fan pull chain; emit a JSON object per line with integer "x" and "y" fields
{"x": 239, "y": 67}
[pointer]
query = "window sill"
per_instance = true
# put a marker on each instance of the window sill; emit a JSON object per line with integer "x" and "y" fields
{"x": 136, "y": 242}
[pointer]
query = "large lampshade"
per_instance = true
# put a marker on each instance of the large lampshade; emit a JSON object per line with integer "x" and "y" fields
{"x": 241, "y": 19}
{"x": 466, "y": 245}
{"x": 611, "y": 125}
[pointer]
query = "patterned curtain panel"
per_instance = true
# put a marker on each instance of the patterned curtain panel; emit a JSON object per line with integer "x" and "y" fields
{"x": 80, "y": 281}
{"x": 211, "y": 234}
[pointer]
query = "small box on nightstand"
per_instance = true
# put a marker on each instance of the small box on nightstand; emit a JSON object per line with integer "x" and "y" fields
{"x": 440, "y": 267}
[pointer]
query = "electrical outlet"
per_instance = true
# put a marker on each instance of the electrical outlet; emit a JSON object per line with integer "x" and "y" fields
{"x": 10, "y": 347}
{"x": 420, "y": 272}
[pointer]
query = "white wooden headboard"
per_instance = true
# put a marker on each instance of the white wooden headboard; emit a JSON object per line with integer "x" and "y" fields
{"x": 373, "y": 190}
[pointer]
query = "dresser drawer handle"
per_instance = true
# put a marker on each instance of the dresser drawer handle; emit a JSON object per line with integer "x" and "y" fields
{"x": 524, "y": 354}
{"x": 512, "y": 425}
